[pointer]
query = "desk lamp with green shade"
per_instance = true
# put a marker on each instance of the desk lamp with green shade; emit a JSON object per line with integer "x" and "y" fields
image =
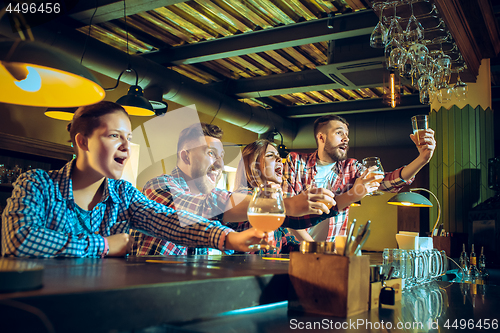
{"x": 411, "y": 199}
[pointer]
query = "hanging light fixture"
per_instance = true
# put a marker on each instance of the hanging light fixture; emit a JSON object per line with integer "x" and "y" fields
{"x": 154, "y": 94}
{"x": 392, "y": 97}
{"x": 35, "y": 75}
{"x": 134, "y": 101}
{"x": 65, "y": 114}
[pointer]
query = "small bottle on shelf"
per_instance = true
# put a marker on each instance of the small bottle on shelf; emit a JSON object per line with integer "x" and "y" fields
{"x": 464, "y": 262}
{"x": 473, "y": 271}
{"x": 482, "y": 265}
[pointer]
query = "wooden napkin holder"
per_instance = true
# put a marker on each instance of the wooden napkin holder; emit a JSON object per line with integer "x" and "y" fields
{"x": 329, "y": 284}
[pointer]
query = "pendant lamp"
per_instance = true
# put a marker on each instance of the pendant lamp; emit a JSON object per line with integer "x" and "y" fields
{"x": 35, "y": 75}
{"x": 411, "y": 199}
{"x": 65, "y": 114}
{"x": 134, "y": 101}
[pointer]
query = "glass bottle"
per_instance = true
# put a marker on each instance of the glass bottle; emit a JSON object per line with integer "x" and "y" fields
{"x": 473, "y": 272}
{"x": 482, "y": 265}
{"x": 464, "y": 262}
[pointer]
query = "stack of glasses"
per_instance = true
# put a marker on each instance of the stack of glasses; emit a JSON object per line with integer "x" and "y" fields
{"x": 412, "y": 56}
{"x": 415, "y": 267}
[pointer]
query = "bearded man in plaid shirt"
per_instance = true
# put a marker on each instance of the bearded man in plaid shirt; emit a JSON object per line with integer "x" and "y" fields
{"x": 191, "y": 187}
{"x": 346, "y": 177}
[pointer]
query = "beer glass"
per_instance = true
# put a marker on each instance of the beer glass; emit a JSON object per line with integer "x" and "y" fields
{"x": 419, "y": 124}
{"x": 395, "y": 258}
{"x": 374, "y": 161}
{"x": 266, "y": 212}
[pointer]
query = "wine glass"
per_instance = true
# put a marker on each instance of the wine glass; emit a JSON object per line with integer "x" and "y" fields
{"x": 266, "y": 212}
{"x": 460, "y": 89}
{"x": 378, "y": 38}
{"x": 374, "y": 161}
{"x": 414, "y": 30}
{"x": 395, "y": 31}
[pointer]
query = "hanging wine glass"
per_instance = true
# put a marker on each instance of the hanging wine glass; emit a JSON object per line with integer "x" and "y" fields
{"x": 425, "y": 81}
{"x": 392, "y": 63}
{"x": 378, "y": 38}
{"x": 424, "y": 96}
{"x": 446, "y": 92}
{"x": 395, "y": 31}
{"x": 414, "y": 30}
{"x": 460, "y": 88}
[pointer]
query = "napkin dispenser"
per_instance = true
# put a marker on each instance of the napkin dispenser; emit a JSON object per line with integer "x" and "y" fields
{"x": 329, "y": 284}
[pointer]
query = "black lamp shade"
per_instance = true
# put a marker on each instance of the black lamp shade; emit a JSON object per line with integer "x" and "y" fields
{"x": 135, "y": 103}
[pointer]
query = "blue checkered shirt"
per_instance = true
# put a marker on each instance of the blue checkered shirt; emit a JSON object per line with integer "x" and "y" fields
{"x": 40, "y": 218}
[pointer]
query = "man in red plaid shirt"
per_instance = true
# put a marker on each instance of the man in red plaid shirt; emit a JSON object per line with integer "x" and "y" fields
{"x": 191, "y": 187}
{"x": 346, "y": 177}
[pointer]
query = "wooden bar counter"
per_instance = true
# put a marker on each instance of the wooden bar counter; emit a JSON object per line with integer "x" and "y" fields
{"x": 239, "y": 293}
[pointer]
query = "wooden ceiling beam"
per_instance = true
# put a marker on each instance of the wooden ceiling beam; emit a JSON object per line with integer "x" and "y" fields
{"x": 354, "y": 106}
{"x": 113, "y": 9}
{"x": 343, "y": 26}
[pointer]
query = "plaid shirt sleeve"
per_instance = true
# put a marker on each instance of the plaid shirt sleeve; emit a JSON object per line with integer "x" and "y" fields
{"x": 35, "y": 223}
{"x": 38, "y": 220}
{"x": 173, "y": 192}
{"x": 180, "y": 227}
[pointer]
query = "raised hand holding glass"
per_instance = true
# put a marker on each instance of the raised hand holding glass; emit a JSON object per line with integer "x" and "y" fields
{"x": 370, "y": 162}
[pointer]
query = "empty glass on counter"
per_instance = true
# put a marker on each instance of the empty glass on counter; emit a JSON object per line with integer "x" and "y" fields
{"x": 395, "y": 258}
{"x": 415, "y": 267}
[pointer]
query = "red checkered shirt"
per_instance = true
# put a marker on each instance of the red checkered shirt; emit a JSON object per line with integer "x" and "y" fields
{"x": 173, "y": 191}
{"x": 300, "y": 170}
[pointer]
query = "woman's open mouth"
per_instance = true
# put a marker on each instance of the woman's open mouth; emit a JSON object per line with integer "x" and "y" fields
{"x": 120, "y": 160}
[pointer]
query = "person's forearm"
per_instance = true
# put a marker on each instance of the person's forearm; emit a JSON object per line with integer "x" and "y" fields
{"x": 236, "y": 208}
{"x": 344, "y": 200}
{"x": 302, "y": 235}
{"x": 413, "y": 168}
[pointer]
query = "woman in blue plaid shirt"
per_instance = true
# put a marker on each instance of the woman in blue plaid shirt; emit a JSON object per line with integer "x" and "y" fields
{"x": 85, "y": 210}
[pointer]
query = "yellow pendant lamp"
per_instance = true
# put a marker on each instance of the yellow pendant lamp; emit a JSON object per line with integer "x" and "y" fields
{"x": 35, "y": 75}
{"x": 65, "y": 114}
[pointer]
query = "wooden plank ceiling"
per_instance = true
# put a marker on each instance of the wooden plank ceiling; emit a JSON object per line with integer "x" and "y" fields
{"x": 248, "y": 49}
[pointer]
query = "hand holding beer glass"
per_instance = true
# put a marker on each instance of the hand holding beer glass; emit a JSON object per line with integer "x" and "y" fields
{"x": 419, "y": 124}
{"x": 320, "y": 183}
{"x": 266, "y": 212}
{"x": 376, "y": 169}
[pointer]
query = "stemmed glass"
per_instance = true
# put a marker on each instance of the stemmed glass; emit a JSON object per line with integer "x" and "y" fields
{"x": 266, "y": 212}
{"x": 378, "y": 38}
{"x": 395, "y": 31}
{"x": 374, "y": 161}
{"x": 414, "y": 30}
{"x": 460, "y": 88}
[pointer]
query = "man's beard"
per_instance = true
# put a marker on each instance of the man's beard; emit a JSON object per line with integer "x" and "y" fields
{"x": 335, "y": 153}
{"x": 202, "y": 182}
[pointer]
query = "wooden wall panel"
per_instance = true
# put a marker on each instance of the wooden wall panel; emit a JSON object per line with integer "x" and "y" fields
{"x": 458, "y": 172}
